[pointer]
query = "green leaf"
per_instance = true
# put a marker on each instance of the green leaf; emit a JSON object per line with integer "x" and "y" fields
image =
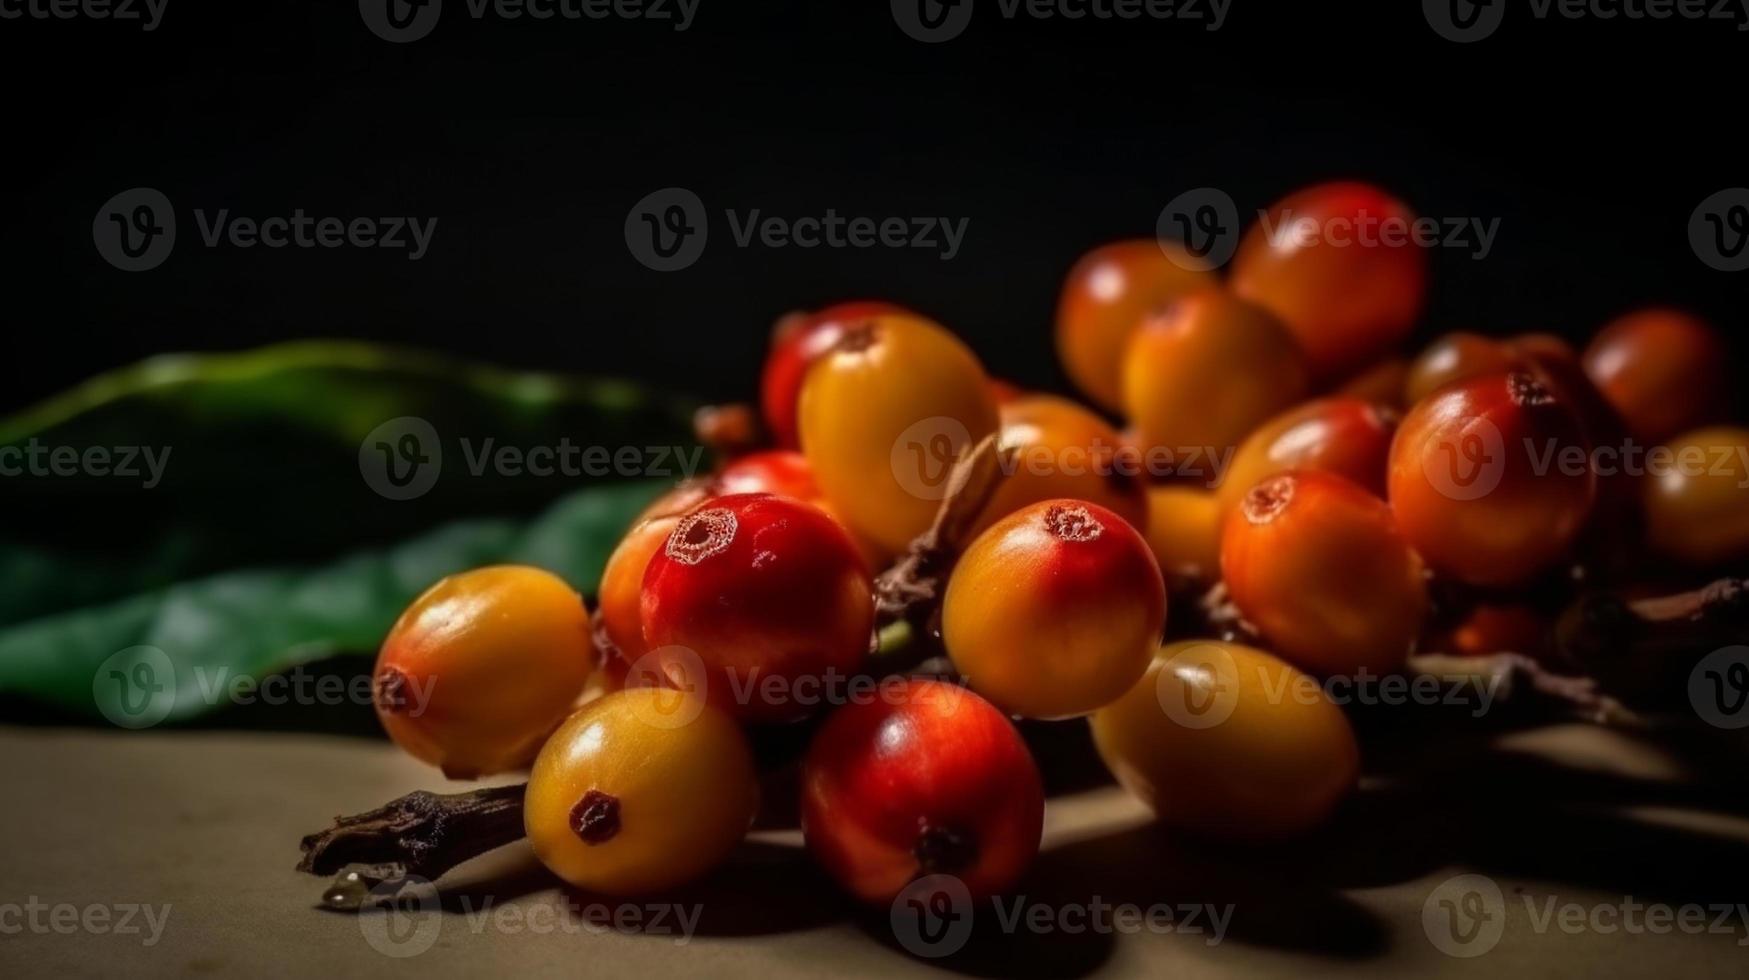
{"x": 260, "y": 459}
{"x": 188, "y": 642}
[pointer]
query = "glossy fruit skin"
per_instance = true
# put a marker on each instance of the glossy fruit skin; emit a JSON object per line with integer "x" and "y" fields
{"x": 1063, "y": 450}
{"x": 1184, "y": 531}
{"x": 780, "y": 471}
{"x": 1384, "y": 384}
{"x": 1275, "y": 767}
{"x": 481, "y": 668}
{"x": 1340, "y": 434}
{"x": 799, "y": 341}
{"x": 1465, "y": 482}
{"x": 1701, "y": 516}
{"x": 620, "y": 599}
{"x": 1345, "y": 303}
{"x": 1492, "y": 628}
{"x": 925, "y": 778}
{"x": 1108, "y": 293}
{"x": 1458, "y": 356}
{"x": 884, "y": 417}
{"x": 1318, "y": 565}
{"x": 659, "y": 802}
{"x": 1207, "y": 370}
{"x": 1662, "y": 370}
{"x": 1054, "y": 610}
{"x": 755, "y": 590}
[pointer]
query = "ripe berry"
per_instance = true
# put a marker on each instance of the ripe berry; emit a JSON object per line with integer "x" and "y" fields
{"x": 1060, "y": 449}
{"x": 780, "y": 471}
{"x": 1697, "y": 503}
{"x": 885, "y": 415}
{"x": 1184, "y": 531}
{"x": 1318, "y": 565}
{"x": 1383, "y": 384}
{"x": 799, "y": 341}
{"x": 1491, "y": 478}
{"x": 1228, "y": 741}
{"x": 1108, "y": 293}
{"x": 925, "y": 778}
{"x": 751, "y": 594}
{"x": 1458, "y": 356}
{"x": 1335, "y": 262}
{"x": 619, "y": 608}
{"x": 635, "y": 794}
{"x": 478, "y": 670}
{"x": 1341, "y": 434}
{"x": 1207, "y": 370}
{"x": 1663, "y": 370}
{"x": 1054, "y": 610}
{"x": 1493, "y": 628}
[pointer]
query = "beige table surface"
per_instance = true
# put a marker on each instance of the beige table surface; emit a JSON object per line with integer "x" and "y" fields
{"x": 202, "y": 826}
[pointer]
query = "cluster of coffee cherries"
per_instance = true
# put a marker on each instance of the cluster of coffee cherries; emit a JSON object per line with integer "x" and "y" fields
{"x": 1353, "y": 479}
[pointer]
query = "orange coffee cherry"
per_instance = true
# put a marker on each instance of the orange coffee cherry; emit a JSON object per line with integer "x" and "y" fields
{"x": 1335, "y": 262}
{"x": 479, "y": 669}
{"x": 1340, "y": 434}
{"x": 1662, "y": 370}
{"x": 885, "y": 416}
{"x": 1384, "y": 384}
{"x": 1491, "y": 478}
{"x": 1207, "y": 370}
{"x": 1318, "y": 565}
{"x": 1458, "y": 356}
{"x": 1108, "y": 293}
{"x": 1184, "y": 531}
{"x": 1226, "y": 740}
{"x": 1055, "y": 610}
{"x": 1059, "y": 449}
{"x": 1697, "y": 501}
{"x": 640, "y": 791}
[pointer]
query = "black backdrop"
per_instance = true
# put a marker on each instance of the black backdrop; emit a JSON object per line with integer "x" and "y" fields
{"x": 1591, "y": 142}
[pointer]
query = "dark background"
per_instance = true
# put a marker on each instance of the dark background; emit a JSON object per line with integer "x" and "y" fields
{"x": 1592, "y": 142}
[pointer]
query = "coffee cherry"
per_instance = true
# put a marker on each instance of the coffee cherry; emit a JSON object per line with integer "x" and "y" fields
{"x": 634, "y": 794}
{"x": 800, "y": 340}
{"x": 619, "y": 608}
{"x": 1697, "y": 502}
{"x": 1340, "y": 434}
{"x": 1054, "y": 610}
{"x": 1663, "y": 370}
{"x": 1493, "y": 628}
{"x": 478, "y": 670}
{"x": 1336, "y": 263}
{"x": 1318, "y": 565}
{"x": 1107, "y": 295}
{"x": 1207, "y": 370}
{"x": 1228, "y": 741}
{"x": 1491, "y": 478}
{"x": 1059, "y": 449}
{"x": 924, "y": 778}
{"x": 885, "y": 416}
{"x": 751, "y": 594}
{"x": 1383, "y": 384}
{"x": 1458, "y": 356}
{"x": 1184, "y": 531}
{"x": 779, "y": 471}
